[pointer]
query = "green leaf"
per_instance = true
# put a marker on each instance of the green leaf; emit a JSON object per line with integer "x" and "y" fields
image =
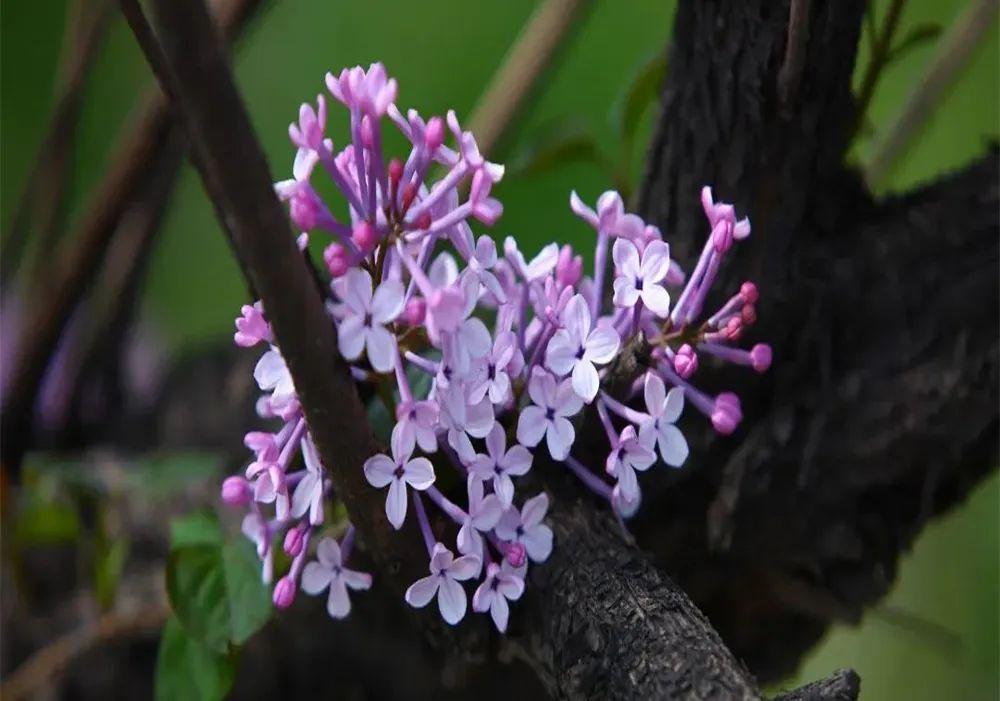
{"x": 198, "y": 528}
{"x": 186, "y": 669}
{"x": 641, "y": 93}
{"x": 560, "y": 144}
{"x": 167, "y": 474}
{"x": 216, "y": 592}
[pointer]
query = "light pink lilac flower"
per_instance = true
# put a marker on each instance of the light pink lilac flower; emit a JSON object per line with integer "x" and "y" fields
{"x": 548, "y": 415}
{"x": 328, "y": 572}
{"x": 365, "y": 316}
{"x": 500, "y": 464}
{"x": 664, "y": 409}
{"x": 446, "y": 573}
{"x": 641, "y": 278}
{"x": 576, "y": 349}
{"x": 525, "y": 526}
{"x": 396, "y": 473}
{"x": 500, "y": 586}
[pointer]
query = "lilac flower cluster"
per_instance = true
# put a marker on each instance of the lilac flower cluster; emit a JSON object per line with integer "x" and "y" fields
{"x": 404, "y": 305}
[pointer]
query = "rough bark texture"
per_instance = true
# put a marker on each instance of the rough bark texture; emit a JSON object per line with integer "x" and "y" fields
{"x": 881, "y": 408}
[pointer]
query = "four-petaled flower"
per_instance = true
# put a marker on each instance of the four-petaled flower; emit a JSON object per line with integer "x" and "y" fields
{"x": 641, "y": 280}
{"x": 575, "y": 348}
{"x": 664, "y": 409}
{"x": 501, "y": 584}
{"x": 553, "y": 403}
{"x": 417, "y": 420}
{"x": 365, "y": 317}
{"x": 494, "y": 373}
{"x": 500, "y": 464}
{"x": 446, "y": 573}
{"x": 628, "y": 455}
{"x": 397, "y": 472}
{"x": 526, "y": 527}
{"x": 328, "y": 571}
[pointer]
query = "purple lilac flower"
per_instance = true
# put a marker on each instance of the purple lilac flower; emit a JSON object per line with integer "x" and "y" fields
{"x": 506, "y": 345}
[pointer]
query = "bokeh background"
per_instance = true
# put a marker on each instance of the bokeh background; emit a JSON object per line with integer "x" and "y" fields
{"x": 936, "y": 635}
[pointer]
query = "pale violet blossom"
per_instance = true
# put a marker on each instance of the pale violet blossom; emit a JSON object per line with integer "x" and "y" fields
{"x": 575, "y": 349}
{"x": 500, "y": 464}
{"x": 548, "y": 415}
{"x": 641, "y": 278}
{"x": 664, "y": 409}
{"x": 328, "y": 571}
{"x": 365, "y": 317}
{"x": 396, "y": 473}
{"x": 446, "y": 573}
{"x": 525, "y": 526}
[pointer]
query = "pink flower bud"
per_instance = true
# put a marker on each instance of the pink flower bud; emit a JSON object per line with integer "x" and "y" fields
{"x": 305, "y": 208}
{"x": 748, "y": 315}
{"x": 236, "y": 491}
{"x": 367, "y": 132}
{"x": 760, "y": 357}
{"x": 748, "y": 291}
{"x": 726, "y": 414}
{"x": 409, "y": 192}
{"x": 294, "y": 540}
{"x": 434, "y": 134}
{"x": 415, "y": 311}
{"x": 284, "y": 592}
{"x": 336, "y": 259}
{"x": 395, "y": 172}
{"x": 722, "y": 236}
{"x": 516, "y": 554}
{"x": 568, "y": 268}
{"x": 365, "y": 237}
{"x": 733, "y": 329}
{"x": 685, "y": 361}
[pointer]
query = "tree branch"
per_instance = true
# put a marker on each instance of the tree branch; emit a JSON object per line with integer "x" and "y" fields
{"x": 192, "y": 69}
{"x": 881, "y": 408}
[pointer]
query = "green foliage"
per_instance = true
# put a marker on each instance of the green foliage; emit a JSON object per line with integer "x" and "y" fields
{"x": 187, "y": 669}
{"x": 214, "y": 585}
{"x": 640, "y": 93}
{"x": 109, "y": 563}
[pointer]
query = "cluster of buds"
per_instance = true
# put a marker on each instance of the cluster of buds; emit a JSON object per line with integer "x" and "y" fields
{"x": 497, "y": 393}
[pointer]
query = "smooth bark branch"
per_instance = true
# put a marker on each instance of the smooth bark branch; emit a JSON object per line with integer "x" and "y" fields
{"x": 881, "y": 409}
{"x": 194, "y": 72}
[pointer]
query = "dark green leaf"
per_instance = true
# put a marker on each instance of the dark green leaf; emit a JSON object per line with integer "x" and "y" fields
{"x": 560, "y": 144}
{"x": 186, "y": 669}
{"x": 198, "y": 528}
{"x": 216, "y": 592}
{"x": 640, "y": 94}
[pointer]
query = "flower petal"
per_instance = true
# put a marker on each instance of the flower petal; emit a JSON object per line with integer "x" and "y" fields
{"x": 395, "y": 503}
{"x": 576, "y": 319}
{"x": 499, "y": 612}
{"x": 626, "y": 257}
{"x": 419, "y": 473}
{"x": 387, "y": 303}
{"x": 585, "y": 381}
{"x": 656, "y": 298}
{"x": 601, "y": 345}
{"x": 315, "y": 578}
{"x": 360, "y": 581}
{"x": 338, "y": 603}
{"x": 673, "y": 446}
{"x": 357, "y": 290}
{"x": 625, "y": 293}
{"x": 674, "y": 405}
{"x": 351, "y": 334}
{"x": 538, "y": 542}
{"x": 559, "y": 437}
{"x": 655, "y": 261}
{"x": 465, "y": 567}
{"x": 381, "y": 347}
{"x": 379, "y": 470}
{"x": 420, "y": 593}
{"x": 654, "y": 392}
{"x": 531, "y": 425}
{"x": 451, "y": 600}
{"x": 517, "y": 461}
{"x": 560, "y": 354}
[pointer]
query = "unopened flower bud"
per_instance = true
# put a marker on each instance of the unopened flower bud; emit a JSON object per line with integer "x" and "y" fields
{"x": 726, "y": 414}
{"x": 685, "y": 361}
{"x": 733, "y": 329}
{"x": 236, "y": 491}
{"x": 336, "y": 259}
{"x": 760, "y": 357}
{"x": 748, "y": 315}
{"x": 434, "y": 134}
{"x": 569, "y": 268}
{"x": 516, "y": 554}
{"x": 294, "y": 540}
{"x": 365, "y": 237}
{"x": 415, "y": 311}
{"x": 284, "y": 592}
{"x": 748, "y": 291}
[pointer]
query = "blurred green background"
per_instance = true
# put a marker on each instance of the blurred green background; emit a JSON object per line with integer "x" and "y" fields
{"x": 936, "y": 636}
